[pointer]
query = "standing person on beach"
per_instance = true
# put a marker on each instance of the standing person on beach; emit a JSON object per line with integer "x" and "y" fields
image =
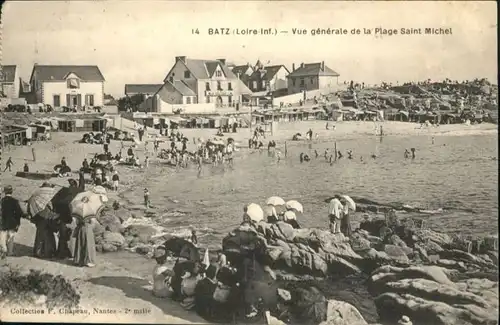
{"x": 65, "y": 220}
{"x": 8, "y": 165}
{"x": 45, "y": 241}
{"x": 334, "y": 215}
{"x": 81, "y": 180}
{"x": 9, "y": 222}
{"x": 147, "y": 202}
{"x": 116, "y": 180}
{"x": 345, "y": 223}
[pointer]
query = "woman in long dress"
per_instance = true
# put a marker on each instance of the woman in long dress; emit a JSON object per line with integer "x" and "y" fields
{"x": 45, "y": 241}
{"x": 345, "y": 223}
{"x": 85, "y": 252}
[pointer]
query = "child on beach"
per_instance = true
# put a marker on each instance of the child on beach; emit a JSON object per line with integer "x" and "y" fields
{"x": 116, "y": 180}
{"x": 147, "y": 202}
{"x": 194, "y": 238}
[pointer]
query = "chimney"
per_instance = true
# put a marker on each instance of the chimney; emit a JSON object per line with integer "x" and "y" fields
{"x": 293, "y": 67}
{"x": 180, "y": 58}
{"x": 223, "y": 61}
{"x": 302, "y": 65}
{"x": 322, "y": 65}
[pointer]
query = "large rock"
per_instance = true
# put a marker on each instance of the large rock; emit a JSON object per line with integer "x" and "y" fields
{"x": 143, "y": 233}
{"x": 110, "y": 221}
{"x": 113, "y": 238}
{"x": 342, "y": 313}
{"x": 428, "y": 296}
{"x": 397, "y": 254}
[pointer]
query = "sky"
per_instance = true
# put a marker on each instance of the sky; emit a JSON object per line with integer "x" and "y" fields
{"x": 137, "y": 41}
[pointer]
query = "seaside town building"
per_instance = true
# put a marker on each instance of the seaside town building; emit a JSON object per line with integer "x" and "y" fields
{"x": 195, "y": 81}
{"x": 243, "y": 72}
{"x": 67, "y": 85}
{"x": 144, "y": 89}
{"x": 268, "y": 78}
{"x": 9, "y": 81}
{"x": 311, "y": 76}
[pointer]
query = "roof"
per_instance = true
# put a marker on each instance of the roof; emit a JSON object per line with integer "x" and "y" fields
{"x": 8, "y": 72}
{"x": 204, "y": 69}
{"x": 142, "y": 88}
{"x": 60, "y": 72}
{"x": 313, "y": 69}
{"x": 17, "y": 118}
{"x": 183, "y": 88}
{"x": 269, "y": 72}
{"x": 241, "y": 69}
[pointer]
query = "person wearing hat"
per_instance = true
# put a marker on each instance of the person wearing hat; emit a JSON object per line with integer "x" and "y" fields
{"x": 10, "y": 222}
{"x": 161, "y": 274}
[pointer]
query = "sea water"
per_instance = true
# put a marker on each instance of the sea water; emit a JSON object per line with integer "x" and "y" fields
{"x": 458, "y": 174}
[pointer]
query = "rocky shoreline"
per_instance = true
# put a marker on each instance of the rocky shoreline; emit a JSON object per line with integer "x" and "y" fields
{"x": 431, "y": 277}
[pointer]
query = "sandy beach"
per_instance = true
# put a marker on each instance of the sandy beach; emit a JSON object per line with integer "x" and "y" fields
{"x": 122, "y": 277}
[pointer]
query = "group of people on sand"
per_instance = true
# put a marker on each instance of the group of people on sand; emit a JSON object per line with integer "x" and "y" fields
{"x": 75, "y": 237}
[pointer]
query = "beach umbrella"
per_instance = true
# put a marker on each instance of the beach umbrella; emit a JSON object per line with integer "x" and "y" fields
{"x": 350, "y": 202}
{"x": 289, "y": 215}
{"x": 40, "y": 199}
{"x": 275, "y": 201}
{"x": 87, "y": 204}
{"x": 254, "y": 212}
{"x": 181, "y": 247}
{"x": 294, "y": 205}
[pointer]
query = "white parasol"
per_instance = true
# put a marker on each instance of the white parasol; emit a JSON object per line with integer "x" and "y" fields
{"x": 275, "y": 201}
{"x": 350, "y": 202}
{"x": 254, "y": 212}
{"x": 295, "y": 205}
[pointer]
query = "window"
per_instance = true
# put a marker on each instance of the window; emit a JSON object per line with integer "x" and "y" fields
{"x": 73, "y": 83}
{"x": 218, "y": 73}
{"x": 208, "y": 99}
{"x": 229, "y": 86}
{"x": 207, "y": 86}
{"x": 312, "y": 81}
{"x": 187, "y": 75}
{"x": 230, "y": 100}
{"x": 89, "y": 100}
{"x": 172, "y": 79}
{"x": 188, "y": 100}
{"x": 57, "y": 100}
{"x": 254, "y": 85}
{"x": 293, "y": 82}
{"x": 195, "y": 100}
{"x": 219, "y": 86}
{"x": 302, "y": 82}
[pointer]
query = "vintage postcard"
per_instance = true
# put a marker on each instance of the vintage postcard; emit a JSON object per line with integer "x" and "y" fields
{"x": 302, "y": 162}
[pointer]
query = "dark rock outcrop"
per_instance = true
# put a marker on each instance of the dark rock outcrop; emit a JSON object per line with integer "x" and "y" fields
{"x": 428, "y": 296}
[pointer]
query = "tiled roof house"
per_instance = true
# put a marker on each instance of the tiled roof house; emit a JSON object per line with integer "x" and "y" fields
{"x": 68, "y": 85}
{"x": 311, "y": 76}
{"x": 195, "y": 81}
